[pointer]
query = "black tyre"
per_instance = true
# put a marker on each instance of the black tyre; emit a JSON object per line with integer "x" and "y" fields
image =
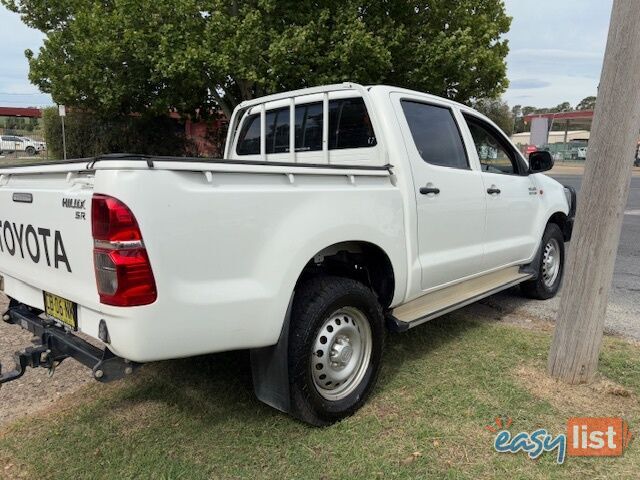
{"x": 550, "y": 267}
{"x": 30, "y": 151}
{"x": 336, "y": 342}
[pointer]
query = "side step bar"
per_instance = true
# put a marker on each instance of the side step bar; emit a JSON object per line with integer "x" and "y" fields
{"x": 53, "y": 344}
{"x": 441, "y": 302}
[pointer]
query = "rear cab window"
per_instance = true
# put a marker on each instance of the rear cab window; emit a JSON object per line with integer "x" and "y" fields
{"x": 349, "y": 127}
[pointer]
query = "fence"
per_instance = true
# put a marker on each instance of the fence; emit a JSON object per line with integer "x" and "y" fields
{"x": 16, "y": 143}
{"x": 561, "y": 152}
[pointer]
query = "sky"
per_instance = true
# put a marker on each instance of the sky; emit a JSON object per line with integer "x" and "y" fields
{"x": 15, "y": 38}
{"x": 556, "y": 48}
{"x": 556, "y": 51}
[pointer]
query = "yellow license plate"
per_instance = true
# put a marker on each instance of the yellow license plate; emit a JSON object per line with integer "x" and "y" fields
{"x": 61, "y": 309}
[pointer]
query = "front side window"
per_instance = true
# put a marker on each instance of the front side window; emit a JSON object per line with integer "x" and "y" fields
{"x": 436, "y": 134}
{"x": 494, "y": 155}
{"x": 349, "y": 127}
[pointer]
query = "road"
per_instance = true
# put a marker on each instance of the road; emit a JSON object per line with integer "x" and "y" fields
{"x": 623, "y": 314}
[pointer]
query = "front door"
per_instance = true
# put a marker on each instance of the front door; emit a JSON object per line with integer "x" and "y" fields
{"x": 449, "y": 194}
{"x": 512, "y": 198}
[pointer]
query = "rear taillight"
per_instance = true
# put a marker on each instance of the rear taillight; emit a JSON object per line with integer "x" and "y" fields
{"x": 123, "y": 271}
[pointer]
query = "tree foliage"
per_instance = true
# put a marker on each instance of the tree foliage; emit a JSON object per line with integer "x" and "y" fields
{"x": 88, "y": 136}
{"x": 587, "y": 103}
{"x": 122, "y": 56}
{"x": 519, "y": 112}
{"x": 498, "y": 111}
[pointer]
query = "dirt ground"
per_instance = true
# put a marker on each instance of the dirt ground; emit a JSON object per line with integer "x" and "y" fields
{"x": 35, "y": 390}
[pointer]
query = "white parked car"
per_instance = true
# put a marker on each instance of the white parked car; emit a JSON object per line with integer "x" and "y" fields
{"x": 39, "y": 145}
{"x": 13, "y": 143}
{"x": 582, "y": 153}
{"x": 338, "y": 213}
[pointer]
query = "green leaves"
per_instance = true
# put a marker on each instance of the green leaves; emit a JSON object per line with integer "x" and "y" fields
{"x": 498, "y": 111}
{"x": 122, "y": 56}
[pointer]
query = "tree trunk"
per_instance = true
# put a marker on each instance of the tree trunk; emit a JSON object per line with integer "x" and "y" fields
{"x": 603, "y": 196}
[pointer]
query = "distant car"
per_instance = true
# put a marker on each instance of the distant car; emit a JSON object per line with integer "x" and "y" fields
{"x": 582, "y": 153}
{"x": 13, "y": 143}
{"x": 39, "y": 144}
{"x": 530, "y": 149}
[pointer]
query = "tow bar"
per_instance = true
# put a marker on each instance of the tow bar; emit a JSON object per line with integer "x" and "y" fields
{"x": 53, "y": 344}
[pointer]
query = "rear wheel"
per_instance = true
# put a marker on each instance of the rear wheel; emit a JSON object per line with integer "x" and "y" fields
{"x": 550, "y": 267}
{"x": 335, "y": 348}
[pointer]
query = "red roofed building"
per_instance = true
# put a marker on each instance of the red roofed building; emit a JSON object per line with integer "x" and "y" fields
{"x": 20, "y": 112}
{"x": 576, "y": 120}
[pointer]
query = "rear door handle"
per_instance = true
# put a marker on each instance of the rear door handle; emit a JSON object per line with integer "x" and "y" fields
{"x": 428, "y": 190}
{"x": 493, "y": 190}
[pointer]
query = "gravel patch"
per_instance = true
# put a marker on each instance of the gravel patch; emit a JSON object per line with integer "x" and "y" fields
{"x": 35, "y": 390}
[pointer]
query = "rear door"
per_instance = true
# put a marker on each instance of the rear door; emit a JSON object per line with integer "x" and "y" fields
{"x": 449, "y": 193}
{"x": 511, "y": 195}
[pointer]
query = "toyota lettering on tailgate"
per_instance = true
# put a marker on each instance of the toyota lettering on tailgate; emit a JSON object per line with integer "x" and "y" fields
{"x": 34, "y": 243}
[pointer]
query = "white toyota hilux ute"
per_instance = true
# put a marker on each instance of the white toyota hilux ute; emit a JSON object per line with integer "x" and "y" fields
{"x": 338, "y": 213}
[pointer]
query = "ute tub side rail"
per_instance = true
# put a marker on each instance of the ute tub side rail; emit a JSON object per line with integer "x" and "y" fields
{"x": 128, "y": 160}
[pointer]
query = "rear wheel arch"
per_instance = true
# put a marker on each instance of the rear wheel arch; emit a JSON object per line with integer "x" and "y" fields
{"x": 359, "y": 260}
{"x": 364, "y": 262}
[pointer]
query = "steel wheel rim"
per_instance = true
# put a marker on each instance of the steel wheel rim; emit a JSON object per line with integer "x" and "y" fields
{"x": 341, "y": 353}
{"x": 551, "y": 263}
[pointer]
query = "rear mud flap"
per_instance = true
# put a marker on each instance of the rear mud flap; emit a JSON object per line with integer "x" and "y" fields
{"x": 270, "y": 370}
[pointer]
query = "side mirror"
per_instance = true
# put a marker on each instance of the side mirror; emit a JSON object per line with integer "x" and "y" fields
{"x": 540, "y": 161}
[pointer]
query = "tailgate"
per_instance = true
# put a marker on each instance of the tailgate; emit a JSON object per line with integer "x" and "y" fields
{"x": 45, "y": 236}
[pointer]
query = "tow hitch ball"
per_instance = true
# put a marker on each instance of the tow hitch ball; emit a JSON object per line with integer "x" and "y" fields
{"x": 38, "y": 356}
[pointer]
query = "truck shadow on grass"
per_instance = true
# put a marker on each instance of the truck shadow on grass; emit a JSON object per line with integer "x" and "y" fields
{"x": 218, "y": 388}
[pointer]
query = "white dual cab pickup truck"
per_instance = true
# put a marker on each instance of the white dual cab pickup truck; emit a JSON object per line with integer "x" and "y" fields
{"x": 337, "y": 213}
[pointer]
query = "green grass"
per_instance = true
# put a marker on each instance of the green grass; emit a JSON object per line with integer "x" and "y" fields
{"x": 440, "y": 386}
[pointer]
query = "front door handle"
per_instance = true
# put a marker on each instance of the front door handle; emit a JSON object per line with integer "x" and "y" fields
{"x": 493, "y": 190}
{"x": 429, "y": 190}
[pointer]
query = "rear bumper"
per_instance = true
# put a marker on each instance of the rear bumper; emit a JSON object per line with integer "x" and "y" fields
{"x": 183, "y": 322}
{"x": 53, "y": 344}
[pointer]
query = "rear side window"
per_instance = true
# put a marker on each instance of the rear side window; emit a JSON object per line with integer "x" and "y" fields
{"x": 436, "y": 134}
{"x": 309, "y": 127}
{"x": 249, "y": 143}
{"x": 281, "y": 132}
{"x": 349, "y": 127}
{"x": 271, "y": 129}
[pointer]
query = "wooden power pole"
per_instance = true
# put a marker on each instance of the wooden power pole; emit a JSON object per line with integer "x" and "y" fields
{"x": 605, "y": 187}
